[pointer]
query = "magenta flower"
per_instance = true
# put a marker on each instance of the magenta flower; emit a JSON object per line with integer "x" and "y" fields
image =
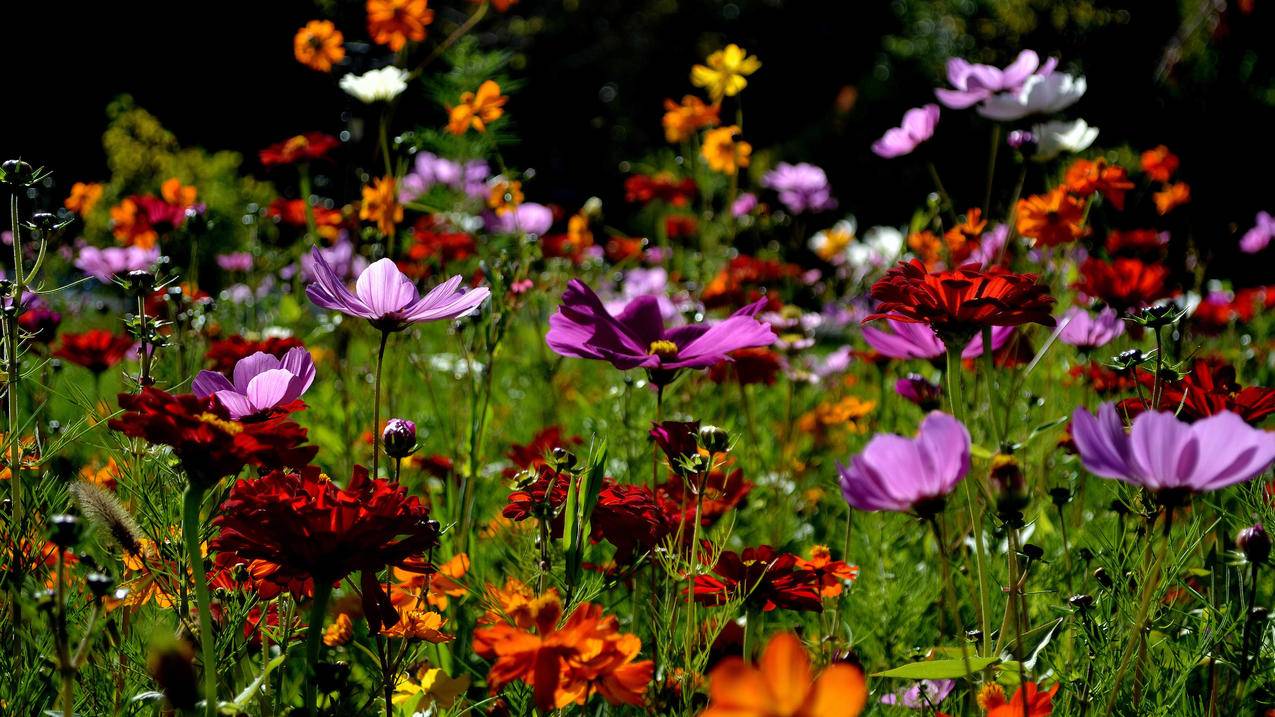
{"x": 974, "y": 83}
{"x": 915, "y": 388}
{"x": 637, "y": 338}
{"x": 1161, "y": 453}
{"x": 235, "y": 261}
{"x": 261, "y": 384}
{"x": 1087, "y": 331}
{"x": 909, "y": 474}
{"x": 922, "y": 695}
{"x": 802, "y": 187}
{"x": 388, "y": 299}
{"x": 340, "y": 257}
{"x": 105, "y": 264}
{"x": 918, "y": 126}
{"x": 526, "y": 218}
{"x": 1256, "y": 239}
{"x": 918, "y": 341}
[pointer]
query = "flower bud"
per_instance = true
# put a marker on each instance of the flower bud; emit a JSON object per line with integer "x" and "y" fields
{"x": 1255, "y": 543}
{"x": 1082, "y": 602}
{"x": 1101, "y": 576}
{"x": 99, "y": 584}
{"x": 1060, "y": 496}
{"x": 173, "y": 668}
{"x": 714, "y": 439}
{"x": 1008, "y": 484}
{"x": 64, "y": 530}
{"x": 15, "y": 172}
{"x": 1033, "y": 552}
{"x": 915, "y": 388}
{"x": 399, "y": 438}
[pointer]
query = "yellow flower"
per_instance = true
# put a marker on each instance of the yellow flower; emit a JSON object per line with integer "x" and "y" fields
{"x": 477, "y": 109}
{"x": 339, "y": 632}
{"x": 725, "y": 73}
{"x": 380, "y": 205}
{"x": 681, "y": 122}
{"x": 505, "y": 196}
{"x": 723, "y": 152}
{"x": 429, "y": 684}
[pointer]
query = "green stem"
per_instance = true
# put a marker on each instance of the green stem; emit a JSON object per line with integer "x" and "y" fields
{"x": 694, "y": 571}
{"x": 313, "y": 639}
{"x": 993, "y": 400}
{"x": 11, "y": 334}
{"x": 957, "y": 401}
{"x": 949, "y": 593}
{"x": 191, "y": 501}
{"x": 1150, "y": 580}
{"x": 376, "y": 406}
{"x": 991, "y": 167}
{"x": 943, "y": 195}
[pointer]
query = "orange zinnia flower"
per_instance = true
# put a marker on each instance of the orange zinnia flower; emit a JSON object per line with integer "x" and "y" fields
{"x": 339, "y": 632}
{"x": 380, "y": 205}
{"x": 505, "y": 196}
{"x": 424, "y": 625}
{"x": 1051, "y": 219}
{"x": 394, "y": 22}
{"x": 1084, "y": 177}
{"x": 723, "y": 152}
{"x": 927, "y": 247}
{"x": 682, "y": 121}
{"x": 178, "y": 194}
{"x": 477, "y": 109}
{"x": 442, "y": 584}
{"x": 1173, "y": 196}
{"x": 832, "y": 573}
{"x": 565, "y": 664}
{"x": 782, "y": 684}
{"x": 1159, "y": 163}
{"x": 963, "y": 238}
{"x": 1039, "y": 704}
{"x": 83, "y": 197}
{"x": 130, "y": 225}
{"x": 319, "y": 45}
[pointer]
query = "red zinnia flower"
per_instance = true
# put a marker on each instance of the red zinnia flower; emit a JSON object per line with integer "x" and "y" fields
{"x": 755, "y": 365}
{"x": 643, "y": 189}
{"x": 95, "y": 349}
{"x": 225, "y": 353}
{"x": 765, "y": 578}
{"x": 1124, "y": 283}
{"x": 1136, "y": 242}
{"x": 628, "y": 517}
{"x": 743, "y": 280}
{"x": 1207, "y": 390}
{"x": 960, "y": 302}
{"x": 301, "y": 148}
{"x": 201, "y": 434}
{"x": 722, "y": 492}
{"x": 310, "y": 528}
{"x": 532, "y": 454}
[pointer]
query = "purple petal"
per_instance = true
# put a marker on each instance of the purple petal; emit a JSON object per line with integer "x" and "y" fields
{"x": 237, "y": 404}
{"x": 1102, "y": 443}
{"x": 209, "y": 382}
{"x": 1156, "y": 446}
{"x": 1230, "y": 451}
{"x": 643, "y": 320}
{"x": 384, "y": 289}
{"x": 737, "y": 332}
{"x": 250, "y": 366}
{"x": 267, "y": 389}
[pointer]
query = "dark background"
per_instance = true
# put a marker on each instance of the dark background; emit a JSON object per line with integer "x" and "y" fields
{"x": 222, "y": 75}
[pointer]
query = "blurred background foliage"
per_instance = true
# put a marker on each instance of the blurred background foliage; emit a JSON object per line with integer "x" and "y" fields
{"x": 1192, "y": 74}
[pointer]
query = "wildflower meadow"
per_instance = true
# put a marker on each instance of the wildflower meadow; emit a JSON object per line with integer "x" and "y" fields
{"x": 373, "y": 421}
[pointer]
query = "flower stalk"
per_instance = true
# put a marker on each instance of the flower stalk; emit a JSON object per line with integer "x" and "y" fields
{"x": 192, "y": 500}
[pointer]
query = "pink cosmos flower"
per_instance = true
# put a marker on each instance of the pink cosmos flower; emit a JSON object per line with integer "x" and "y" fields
{"x": 918, "y": 126}
{"x": 261, "y": 383}
{"x": 909, "y": 474}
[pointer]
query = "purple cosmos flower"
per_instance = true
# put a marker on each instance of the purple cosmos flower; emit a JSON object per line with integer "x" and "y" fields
{"x": 909, "y": 474}
{"x": 399, "y": 438}
{"x": 105, "y": 264}
{"x": 1162, "y": 453}
{"x": 918, "y": 341}
{"x": 1256, "y": 239}
{"x": 430, "y": 170}
{"x": 802, "y": 187}
{"x": 388, "y": 299}
{"x": 527, "y": 218}
{"x": 261, "y": 383}
{"x": 921, "y": 695}
{"x": 918, "y": 126}
{"x": 1087, "y": 331}
{"x": 1040, "y": 94}
{"x": 744, "y": 204}
{"x": 974, "y": 83}
{"x": 235, "y": 261}
{"x": 915, "y": 388}
{"x": 340, "y": 257}
{"x": 637, "y": 337}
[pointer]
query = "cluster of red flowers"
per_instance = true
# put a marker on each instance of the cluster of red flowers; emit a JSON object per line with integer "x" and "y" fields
{"x": 644, "y": 189}
{"x": 139, "y": 219}
{"x": 960, "y": 302}
{"x": 301, "y": 148}
{"x": 745, "y": 279}
{"x": 223, "y": 354}
{"x": 435, "y": 244}
{"x": 96, "y": 349}
{"x": 291, "y": 212}
{"x": 764, "y": 578}
{"x": 748, "y": 366}
{"x": 1209, "y": 388}
{"x": 298, "y": 527}
{"x": 563, "y": 663}
{"x": 1124, "y": 283}
{"x": 1218, "y": 311}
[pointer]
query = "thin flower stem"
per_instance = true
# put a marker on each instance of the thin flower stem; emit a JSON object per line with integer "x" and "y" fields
{"x": 11, "y": 363}
{"x": 943, "y": 195}
{"x": 313, "y": 639}
{"x": 1015, "y": 608}
{"x": 993, "y": 400}
{"x": 191, "y": 501}
{"x": 991, "y": 167}
{"x": 949, "y": 594}
{"x": 957, "y": 403}
{"x": 1246, "y": 661}
{"x": 1150, "y": 580}
{"x": 376, "y": 406}
{"x": 694, "y": 570}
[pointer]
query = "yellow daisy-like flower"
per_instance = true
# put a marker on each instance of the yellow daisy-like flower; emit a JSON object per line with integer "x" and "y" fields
{"x": 380, "y": 205}
{"x": 726, "y": 72}
{"x": 429, "y": 684}
{"x": 723, "y": 152}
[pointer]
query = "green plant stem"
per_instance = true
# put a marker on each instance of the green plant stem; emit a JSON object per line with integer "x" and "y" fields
{"x": 949, "y": 594}
{"x": 1150, "y": 580}
{"x": 11, "y": 335}
{"x": 957, "y": 402}
{"x": 376, "y": 406}
{"x": 991, "y": 167}
{"x": 694, "y": 570}
{"x": 313, "y": 639}
{"x": 192, "y": 499}
{"x": 993, "y": 401}
{"x": 943, "y": 195}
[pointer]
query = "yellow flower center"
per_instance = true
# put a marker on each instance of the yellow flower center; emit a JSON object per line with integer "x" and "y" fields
{"x": 229, "y": 427}
{"x": 663, "y": 348}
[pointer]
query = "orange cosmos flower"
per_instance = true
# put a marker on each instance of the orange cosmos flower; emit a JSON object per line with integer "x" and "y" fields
{"x": 339, "y": 632}
{"x": 178, "y": 194}
{"x": 963, "y": 238}
{"x": 394, "y": 22}
{"x": 319, "y": 45}
{"x": 424, "y": 625}
{"x": 1159, "y": 163}
{"x": 682, "y": 121}
{"x": 380, "y": 205}
{"x": 505, "y": 196}
{"x": 477, "y": 109}
{"x": 130, "y": 225}
{"x": 83, "y": 197}
{"x": 442, "y": 584}
{"x": 106, "y": 476}
{"x": 927, "y": 247}
{"x": 1039, "y": 704}
{"x": 723, "y": 152}
{"x": 1173, "y": 196}
{"x": 832, "y": 574}
{"x": 1051, "y": 219}
{"x": 782, "y": 684}
{"x": 1084, "y": 177}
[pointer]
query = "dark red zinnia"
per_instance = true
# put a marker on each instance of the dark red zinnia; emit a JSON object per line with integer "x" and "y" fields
{"x": 630, "y": 518}
{"x": 1208, "y": 389}
{"x": 301, "y": 148}
{"x": 959, "y": 303}
{"x": 223, "y": 354}
{"x": 764, "y": 577}
{"x": 749, "y": 366}
{"x": 311, "y": 528}
{"x": 95, "y": 349}
{"x": 209, "y": 445}
{"x": 1125, "y": 283}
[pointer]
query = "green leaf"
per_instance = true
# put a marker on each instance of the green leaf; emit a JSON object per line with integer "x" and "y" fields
{"x": 939, "y": 669}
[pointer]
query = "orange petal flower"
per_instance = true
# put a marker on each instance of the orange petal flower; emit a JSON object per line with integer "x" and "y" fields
{"x": 681, "y": 122}
{"x": 339, "y": 632}
{"x": 1159, "y": 163}
{"x": 723, "y": 152}
{"x": 380, "y": 205}
{"x": 1173, "y": 196}
{"x": 319, "y": 45}
{"x": 1051, "y": 219}
{"x": 83, "y": 197}
{"x": 1039, "y": 704}
{"x": 783, "y": 685}
{"x": 477, "y": 109}
{"x": 832, "y": 574}
{"x": 394, "y": 22}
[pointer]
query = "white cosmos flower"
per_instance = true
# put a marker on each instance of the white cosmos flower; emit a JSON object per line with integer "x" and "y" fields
{"x": 831, "y": 244}
{"x": 1040, "y": 94}
{"x": 878, "y": 248}
{"x": 1054, "y": 138}
{"x": 376, "y": 85}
